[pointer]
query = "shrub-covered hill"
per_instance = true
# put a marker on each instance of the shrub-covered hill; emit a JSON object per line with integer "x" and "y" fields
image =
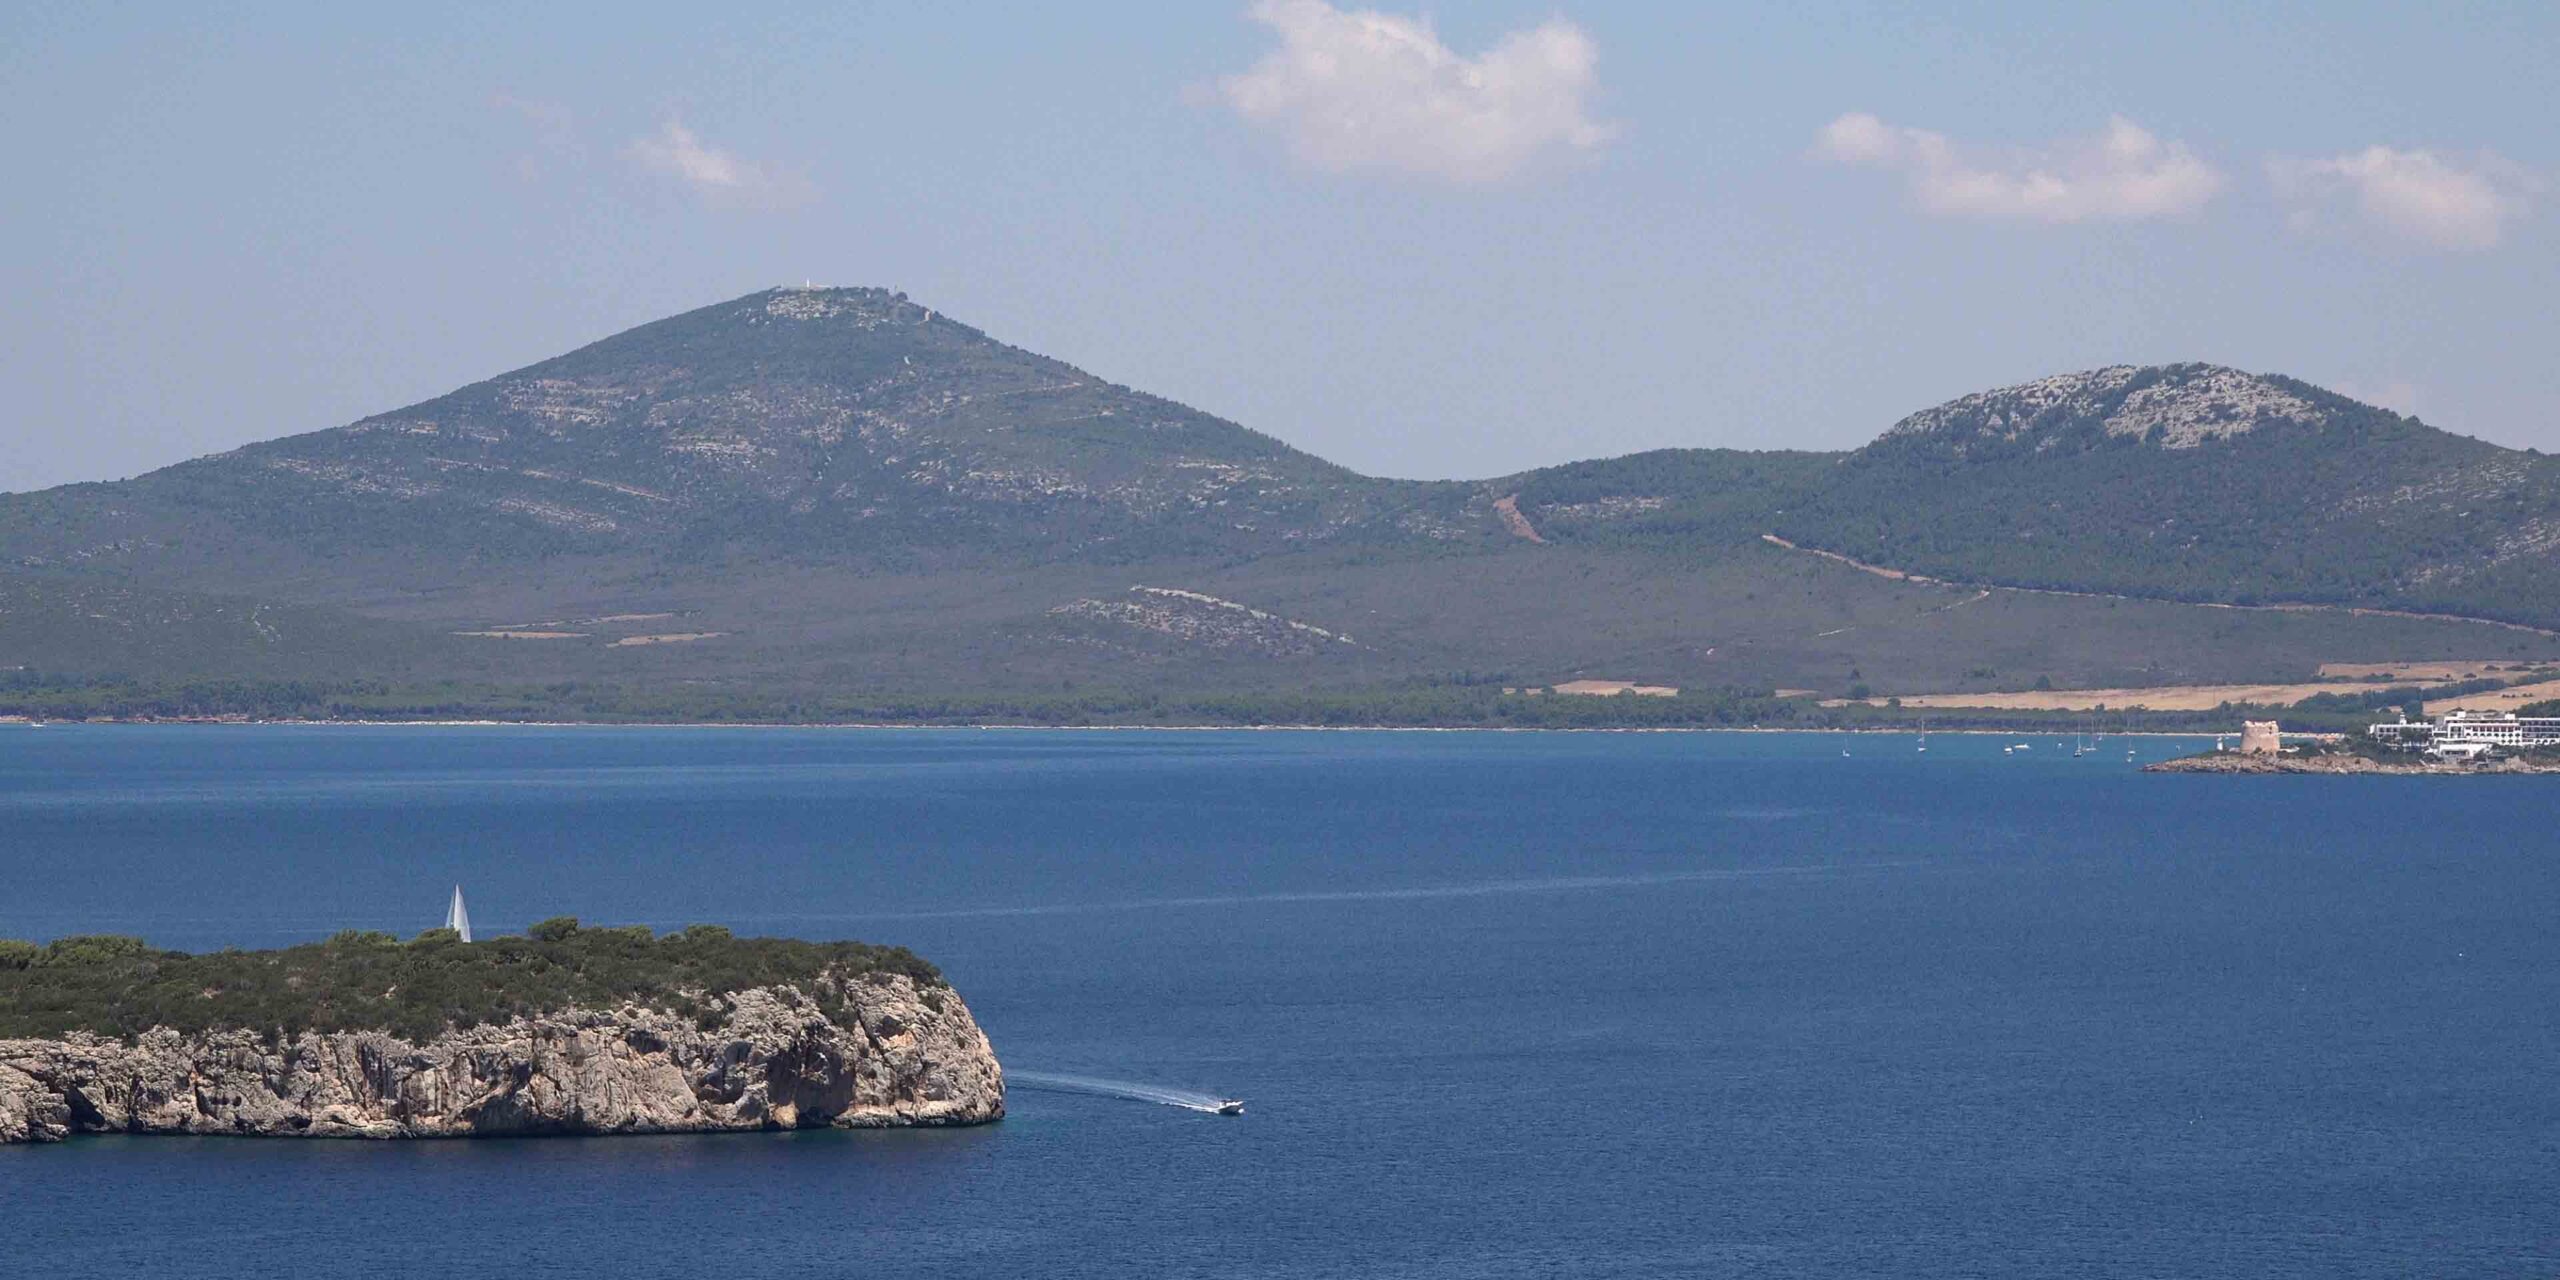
{"x": 2190, "y": 482}
{"x": 847, "y": 490}
{"x": 361, "y": 981}
{"x": 841, "y": 425}
{"x": 2198, "y": 482}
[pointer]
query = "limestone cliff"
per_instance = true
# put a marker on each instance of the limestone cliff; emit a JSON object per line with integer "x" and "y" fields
{"x": 773, "y": 1060}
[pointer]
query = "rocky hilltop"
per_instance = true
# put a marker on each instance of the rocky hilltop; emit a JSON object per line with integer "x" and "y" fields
{"x": 773, "y": 1060}
{"x": 2172, "y": 406}
{"x": 2203, "y": 483}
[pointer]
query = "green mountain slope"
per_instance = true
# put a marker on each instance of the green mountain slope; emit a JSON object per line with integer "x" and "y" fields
{"x": 1687, "y": 499}
{"x": 827, "y": 490}
{"x": 827, "y": 423}
{"x": 2196, "y": 482}
{"x": 101, "y": 626}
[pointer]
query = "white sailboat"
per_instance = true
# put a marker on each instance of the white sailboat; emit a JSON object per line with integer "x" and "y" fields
{"x": 456, "y": 918}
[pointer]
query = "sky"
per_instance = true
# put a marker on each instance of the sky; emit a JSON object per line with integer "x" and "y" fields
{"x": 1448, "y": 242}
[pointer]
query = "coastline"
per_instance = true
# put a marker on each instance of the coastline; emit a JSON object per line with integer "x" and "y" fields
{"x": 231, "y": 722}
{"x": 2347, "y": 766}
{"x": 765, "y": 1058}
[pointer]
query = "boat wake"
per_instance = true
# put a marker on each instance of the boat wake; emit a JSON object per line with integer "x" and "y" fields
{"x": 1481, "y": 889}
{"x": 1188, "y": 1099}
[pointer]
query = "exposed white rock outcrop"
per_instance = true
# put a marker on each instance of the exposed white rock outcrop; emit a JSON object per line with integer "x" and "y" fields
{"x": 1199, "y": 618}
{"x": 2186, "y": 404}
{"x": 900, "y": 1056}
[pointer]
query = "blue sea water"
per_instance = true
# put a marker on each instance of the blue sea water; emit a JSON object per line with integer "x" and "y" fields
{"x": 1502, "y": 1004}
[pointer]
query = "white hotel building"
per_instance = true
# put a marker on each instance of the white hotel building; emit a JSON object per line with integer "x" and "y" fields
{"x": 2469, "y": 734}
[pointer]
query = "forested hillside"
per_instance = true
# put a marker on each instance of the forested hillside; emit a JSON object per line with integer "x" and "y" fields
{"x": 2192, "y": 482}
{"x": 840, "y": 498}
{"x": 845, "y": 425}
{"x": 2183, "y": 482}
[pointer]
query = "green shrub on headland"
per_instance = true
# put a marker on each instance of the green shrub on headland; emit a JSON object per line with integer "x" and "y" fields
{"x": 368, "y": 981}
{"x": 554, "y": 929}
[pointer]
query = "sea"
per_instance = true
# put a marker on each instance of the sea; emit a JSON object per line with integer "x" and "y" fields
{"x": 1499, "y": 1004}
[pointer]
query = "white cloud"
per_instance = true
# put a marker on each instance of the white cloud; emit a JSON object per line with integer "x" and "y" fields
{"x": 719, "y": 177}
{"x": 1364, "y": 91}
{"x": 2439, "y": 202}
{"x": 2126, "y": 173}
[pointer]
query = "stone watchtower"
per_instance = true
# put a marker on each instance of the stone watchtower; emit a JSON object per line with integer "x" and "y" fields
{"x": 2260, "y": 738}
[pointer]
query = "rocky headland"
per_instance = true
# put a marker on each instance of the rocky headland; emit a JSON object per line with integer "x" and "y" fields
{"x": 2344, "y": 763}
{"x": 845, "y": 1050}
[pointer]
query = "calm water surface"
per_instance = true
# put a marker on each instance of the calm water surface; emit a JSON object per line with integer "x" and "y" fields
{"x": 1503, "y": 1004}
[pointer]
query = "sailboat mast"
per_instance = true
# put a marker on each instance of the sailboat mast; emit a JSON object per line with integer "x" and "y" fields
{"x": 456, "y": 918}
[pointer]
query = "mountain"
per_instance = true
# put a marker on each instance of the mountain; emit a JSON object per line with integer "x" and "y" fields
{"x": 2198, "y": 482}
{"x": 836, "y": 423}
{"x": 825, "y": 490}
{"x": 2190, "y": 482}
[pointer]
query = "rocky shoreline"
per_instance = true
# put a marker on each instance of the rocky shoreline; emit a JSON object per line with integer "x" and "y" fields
{"x": 772, "y": 1060}
{"x": 2236, "y": 762}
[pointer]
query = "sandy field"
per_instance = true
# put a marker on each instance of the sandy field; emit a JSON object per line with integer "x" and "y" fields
{"x": 2414, "y": 672}
{"x": 2174, "y": 697}
{"x": 2507, "y": 699}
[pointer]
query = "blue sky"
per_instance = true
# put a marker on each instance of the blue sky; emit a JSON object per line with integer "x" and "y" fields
{"x": 1447, "y": 243}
